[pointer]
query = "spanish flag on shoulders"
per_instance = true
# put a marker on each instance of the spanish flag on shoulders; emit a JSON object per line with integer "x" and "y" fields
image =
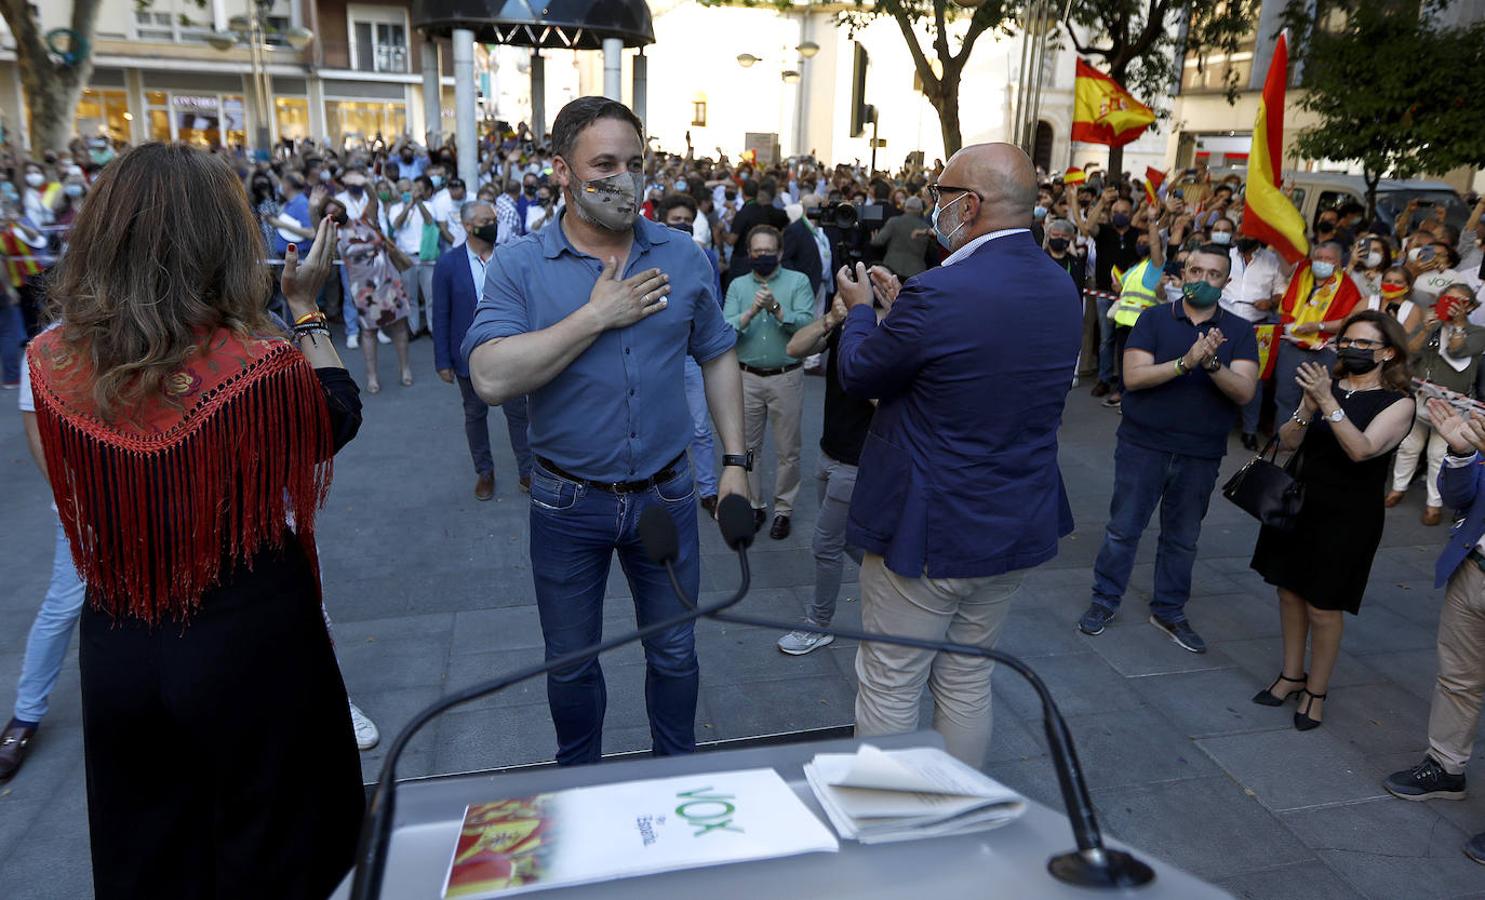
{"x": 1104, "y": 112}
{"x": 1267, "y": 214}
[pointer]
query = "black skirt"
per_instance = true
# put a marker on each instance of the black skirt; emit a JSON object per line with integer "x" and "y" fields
{"x": 221, "y": 760}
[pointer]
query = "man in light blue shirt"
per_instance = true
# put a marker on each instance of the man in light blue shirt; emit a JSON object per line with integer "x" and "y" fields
{"x": 591, "y": 318}
{"x": 767, "y": 306}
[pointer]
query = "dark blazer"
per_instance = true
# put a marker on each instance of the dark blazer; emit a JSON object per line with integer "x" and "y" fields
{"x": 1460, "y": 488}
{"x": 454, "y": 300}
{"x": 801, "y": 253}
{"x": 959, "y": 475}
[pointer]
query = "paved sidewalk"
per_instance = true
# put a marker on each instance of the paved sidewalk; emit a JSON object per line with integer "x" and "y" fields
{"x": 431, "y": 590}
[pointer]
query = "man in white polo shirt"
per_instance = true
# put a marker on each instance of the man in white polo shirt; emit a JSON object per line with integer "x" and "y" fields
{"x": 1254, "y": 292}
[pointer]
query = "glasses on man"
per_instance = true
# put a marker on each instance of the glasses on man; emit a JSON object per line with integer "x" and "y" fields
{"x": 935, "y": 191}
{"x": 1360, "y": 344}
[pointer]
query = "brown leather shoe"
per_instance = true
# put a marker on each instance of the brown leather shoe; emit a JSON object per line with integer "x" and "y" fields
{"x": 1433, "y": 515}
{"x": 1101, "y": 389}
{"x": 484, "y": 488}
{"x": 1394, "y": 498}
{"x": 14, "y": 741}
{"x": 780, "y": 529}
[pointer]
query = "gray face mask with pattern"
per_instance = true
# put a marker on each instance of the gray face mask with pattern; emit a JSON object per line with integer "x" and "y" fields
{"x": 611, "y": 202}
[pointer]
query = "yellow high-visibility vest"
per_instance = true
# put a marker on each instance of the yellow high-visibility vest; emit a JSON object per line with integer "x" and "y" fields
{"x": 1134, "y": 297}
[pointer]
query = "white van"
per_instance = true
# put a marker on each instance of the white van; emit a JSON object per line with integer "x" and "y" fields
{"x": 1318, "y": 191}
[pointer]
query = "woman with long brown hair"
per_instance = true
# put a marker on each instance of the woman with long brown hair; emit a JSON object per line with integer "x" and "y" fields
{"x": 1344, "y": 432}
{"x": 189, "y": 444}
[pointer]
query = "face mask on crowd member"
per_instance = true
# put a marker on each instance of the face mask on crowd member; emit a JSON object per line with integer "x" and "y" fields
{"x": 74, "y": 189}
{"x": 763, "y": 254}
{"x": 35, "y": 177}
{"x": 1324, "y": 260}
{"x": 948, "y": 218}
{"x": 1222, "y": 231}
{"x": 456, "y": 190}
{"x": 1363, "y": 348}
{"x": 1120, "y": 215}
{"x": 1206, "y": 273}
{"x": 680, "y": 218}
{"x": 479, "y": 222}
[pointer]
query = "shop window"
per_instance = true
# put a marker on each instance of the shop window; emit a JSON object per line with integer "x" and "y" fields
{"x": 354, "y": 123}
{"x": 292, "y": 115}
{"x": 698, "y": 113}
{"x": 103, "y": 112}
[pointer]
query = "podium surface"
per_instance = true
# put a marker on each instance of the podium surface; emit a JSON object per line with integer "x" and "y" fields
{"x": 1009, "y": 861}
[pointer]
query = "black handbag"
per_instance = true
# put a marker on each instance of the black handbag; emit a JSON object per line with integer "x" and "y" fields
{"x": 1267, "y": 491}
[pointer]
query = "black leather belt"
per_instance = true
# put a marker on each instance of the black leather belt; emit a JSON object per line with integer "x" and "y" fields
{"x": 671, "y": 470}
{"x": 765, "y": 373}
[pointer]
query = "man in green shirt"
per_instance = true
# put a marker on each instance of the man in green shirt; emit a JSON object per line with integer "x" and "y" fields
{"x": 766, "y": 306}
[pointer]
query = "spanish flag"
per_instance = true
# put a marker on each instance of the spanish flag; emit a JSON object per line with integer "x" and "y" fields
{"x": 1074, "y": 175}
{"x": 1104, "y": 112}
{"x": 1267, "y": 214}
{"x": 1154, "y": 178}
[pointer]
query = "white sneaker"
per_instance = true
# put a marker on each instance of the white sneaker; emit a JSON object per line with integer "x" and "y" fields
{"x": 381, "y": 337}
{"x": 352, "y": 341}
{"x": 366, "y": 734}
{"x": 798, "y": 643}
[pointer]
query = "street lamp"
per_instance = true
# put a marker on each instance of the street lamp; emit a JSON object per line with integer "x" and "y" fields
{"x": 251, "y": 31}
{"x": 790, "y": 76}
{"x": 808, "y": 49}
{"x": 746, "y": 60}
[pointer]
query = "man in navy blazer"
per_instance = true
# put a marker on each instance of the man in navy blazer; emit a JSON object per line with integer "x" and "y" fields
{"x": 458, "y": 279}
{"x": 1460, "y": 687}
{"x": 959, "y": 487}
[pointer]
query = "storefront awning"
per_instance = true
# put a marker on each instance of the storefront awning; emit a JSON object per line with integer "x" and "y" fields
{"x": 549, "y": 24}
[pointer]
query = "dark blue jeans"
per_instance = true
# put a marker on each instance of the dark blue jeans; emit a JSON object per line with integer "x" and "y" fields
{"x": 1182, "y": 487}
{"x": 575, "y": 530}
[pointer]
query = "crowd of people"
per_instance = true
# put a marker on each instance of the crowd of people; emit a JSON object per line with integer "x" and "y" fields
{"x": 645, "y": 321}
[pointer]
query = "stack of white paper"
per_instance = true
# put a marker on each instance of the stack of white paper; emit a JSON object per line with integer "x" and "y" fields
{"x": 875, "y": 796}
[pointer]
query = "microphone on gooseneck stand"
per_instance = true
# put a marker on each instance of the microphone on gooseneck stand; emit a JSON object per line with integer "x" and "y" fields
{"x": 376, "y": 830}
{"x": 1091, "y": 864}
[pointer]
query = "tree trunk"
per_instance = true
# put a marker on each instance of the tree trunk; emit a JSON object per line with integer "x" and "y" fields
{"x": 1116, "y": 163}
{"x": 1371, "y": 178}
{"x": 51, "y": 88}
{"x": 947, "y": 105}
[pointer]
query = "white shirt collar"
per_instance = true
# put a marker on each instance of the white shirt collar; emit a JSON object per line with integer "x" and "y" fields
{"x": 969, "y": 248}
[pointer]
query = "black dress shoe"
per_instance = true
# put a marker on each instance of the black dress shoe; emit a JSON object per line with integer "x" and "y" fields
{"x": 14, "y": 741}
{"x": 780, "y": 529}
{"x": 1101, "y": 389}
{"x": 1302, "y": 720}
{"x": 1250, "y": 441}
{"x": 759, "y": 517}
{"x": 709, "y": 503}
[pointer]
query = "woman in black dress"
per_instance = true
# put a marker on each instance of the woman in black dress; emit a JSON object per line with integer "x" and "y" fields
{"x": 188, "y": 443}
{"x": 1344, "y": 432}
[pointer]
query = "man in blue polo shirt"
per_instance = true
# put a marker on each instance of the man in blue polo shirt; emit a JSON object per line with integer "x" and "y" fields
{"x": 591, "y": 318}
{"x": 1188, "y": 368}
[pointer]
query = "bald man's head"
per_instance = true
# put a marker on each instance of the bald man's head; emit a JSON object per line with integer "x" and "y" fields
{"x": 1002, "y": 182}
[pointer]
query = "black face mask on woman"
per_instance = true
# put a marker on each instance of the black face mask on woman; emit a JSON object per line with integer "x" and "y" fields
{"x": 1357, "y": 361}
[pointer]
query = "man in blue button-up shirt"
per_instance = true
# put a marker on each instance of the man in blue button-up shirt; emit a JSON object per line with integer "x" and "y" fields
{"x": 592, "y": 318}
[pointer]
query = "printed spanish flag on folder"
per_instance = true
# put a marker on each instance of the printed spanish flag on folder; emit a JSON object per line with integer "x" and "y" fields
{"x": 1104, "y": 112}
{"x": 1268, "y": 214}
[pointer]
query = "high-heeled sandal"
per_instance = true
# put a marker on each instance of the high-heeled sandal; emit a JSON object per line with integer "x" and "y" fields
{"x": 1302, "y": 722}
{"x": 1266, "y": 696}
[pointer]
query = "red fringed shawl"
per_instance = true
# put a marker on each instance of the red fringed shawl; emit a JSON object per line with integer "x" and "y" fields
{"x": 158, "y": 501}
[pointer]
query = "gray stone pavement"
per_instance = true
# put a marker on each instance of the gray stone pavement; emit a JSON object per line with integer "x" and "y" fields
{"x": 430, "y": 591}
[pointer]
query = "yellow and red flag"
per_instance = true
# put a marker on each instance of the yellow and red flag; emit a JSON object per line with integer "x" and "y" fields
{"x": 1268, "y": 349}
{"x": 1154, "y": 178}
{"x": 1267, "y": 213}
{"x": 1074, "y": 175}
{"x": 1104, "y": 112}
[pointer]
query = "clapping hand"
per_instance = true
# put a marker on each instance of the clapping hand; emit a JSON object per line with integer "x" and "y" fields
{"x": 886, "y": 284}
{"x": 1204, "y": 348}
{"x": 1314, "y": 380}
{"x": 1464, "y": 434}
{"x": 853, "y": 286}
{"x": 302, "y": 280}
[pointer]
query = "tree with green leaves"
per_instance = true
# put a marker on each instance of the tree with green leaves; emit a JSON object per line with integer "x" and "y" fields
{"x": 1392, "y": 90}
{"x": 1142, "y": 44}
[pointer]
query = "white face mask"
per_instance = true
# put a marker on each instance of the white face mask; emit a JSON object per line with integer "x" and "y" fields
{"x": 35, "y": 179}
{"x": 1222, "y": 238}
{"x": 1373, "y": 260}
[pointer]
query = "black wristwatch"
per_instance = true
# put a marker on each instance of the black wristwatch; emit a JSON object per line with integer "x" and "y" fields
{"x": 743, "y": 461}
